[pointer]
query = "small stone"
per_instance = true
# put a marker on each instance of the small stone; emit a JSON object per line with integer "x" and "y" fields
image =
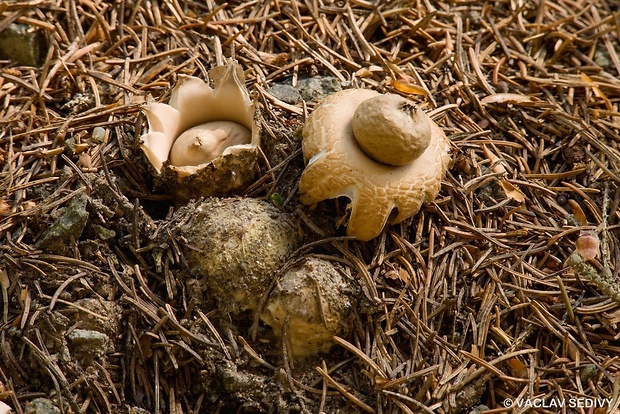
{"x": 601, "y": 57}
{"x": 588, "y": 372}
{"x": 107, "y": 321}
{"x": 41, "y": 406}
{"x": 103, "y": 233}
{"x": 70, "y": 144}
{"x": 87, "y": 345}
{"x": 68, "y": 226}
{"x": 285, "y": 93}
{"x": 318, "y": 87}
{"x": 22, "y": 44}
{"x": 138, "y": 410}
{"x": 234, "y": 380}
{"x": 98, "y": 135}
{"x": 80, "y": 102}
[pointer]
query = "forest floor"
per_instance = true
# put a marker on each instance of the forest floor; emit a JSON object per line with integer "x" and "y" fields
{"x": 470, "y": 306}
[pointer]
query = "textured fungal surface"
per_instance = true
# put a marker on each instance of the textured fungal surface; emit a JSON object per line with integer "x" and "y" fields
{"x": 235, "y": 245}
{"x": 310, "y": 304}
{"x": 391, "y": 130}
{"x": 337, "y": 166}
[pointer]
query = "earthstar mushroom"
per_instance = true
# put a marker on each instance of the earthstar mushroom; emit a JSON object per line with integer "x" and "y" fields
{"x": 380, "y": 151}
{"x": 204, "y": 142}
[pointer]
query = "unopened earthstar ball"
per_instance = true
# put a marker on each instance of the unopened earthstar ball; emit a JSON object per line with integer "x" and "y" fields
{"x": 310, "y": 304}
{"x": 235, "y": 245}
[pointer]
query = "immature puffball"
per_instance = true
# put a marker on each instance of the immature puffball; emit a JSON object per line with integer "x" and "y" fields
{"x": 310, "y": 304}
{"x": 205, "y": 141}
{"x": 234, "y": 245}
{"x": 380, "y": 151}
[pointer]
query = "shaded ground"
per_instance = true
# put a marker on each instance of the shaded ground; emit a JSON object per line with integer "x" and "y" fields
{"x": 469, "y": 303}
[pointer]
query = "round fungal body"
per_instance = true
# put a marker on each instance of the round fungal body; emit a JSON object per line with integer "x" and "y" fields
{"x": 391, "y": 130}
{"x": 310, "y": 304}
{"x": 235, "y": 245}
{"x": 202, "y": 143}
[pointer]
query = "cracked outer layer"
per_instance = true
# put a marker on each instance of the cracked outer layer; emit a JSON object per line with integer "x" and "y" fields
{"x": 337, "y": 166}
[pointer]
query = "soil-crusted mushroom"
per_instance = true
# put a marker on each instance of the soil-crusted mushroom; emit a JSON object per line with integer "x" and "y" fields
{"x": 234, "y": 245}
{"x": 310, "y": 304}
{"x": 380, "y": 151}
{"x": 204, "y": 142}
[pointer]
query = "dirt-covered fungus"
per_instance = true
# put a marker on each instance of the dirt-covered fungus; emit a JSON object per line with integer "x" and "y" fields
{"x": 380, "y": 151}
{"x": 234, "y": 245}
{"x": 310, "y": 304}
{"x": 204, "y": 142}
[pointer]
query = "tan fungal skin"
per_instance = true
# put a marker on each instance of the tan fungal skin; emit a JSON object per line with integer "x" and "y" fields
{"x": 194, "y": 103}
{"x": 311, "y": 303}
{"x": 234, "y": 246}
{"x": 391, "y": 130}
{"x": 337, "y": 166}
{"x": 203, "y": 143}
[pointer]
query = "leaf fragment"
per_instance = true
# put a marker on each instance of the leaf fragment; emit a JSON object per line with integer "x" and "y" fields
{"x": 512, "y": 191}
{"x": 597, "y": 91}
{"x": 406, "y": 85}
{"x": 507, "y": 98}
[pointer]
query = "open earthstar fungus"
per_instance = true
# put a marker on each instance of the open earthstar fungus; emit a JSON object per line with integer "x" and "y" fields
{"x": 380, "y": 151}
{"x": 205, "y": 141}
